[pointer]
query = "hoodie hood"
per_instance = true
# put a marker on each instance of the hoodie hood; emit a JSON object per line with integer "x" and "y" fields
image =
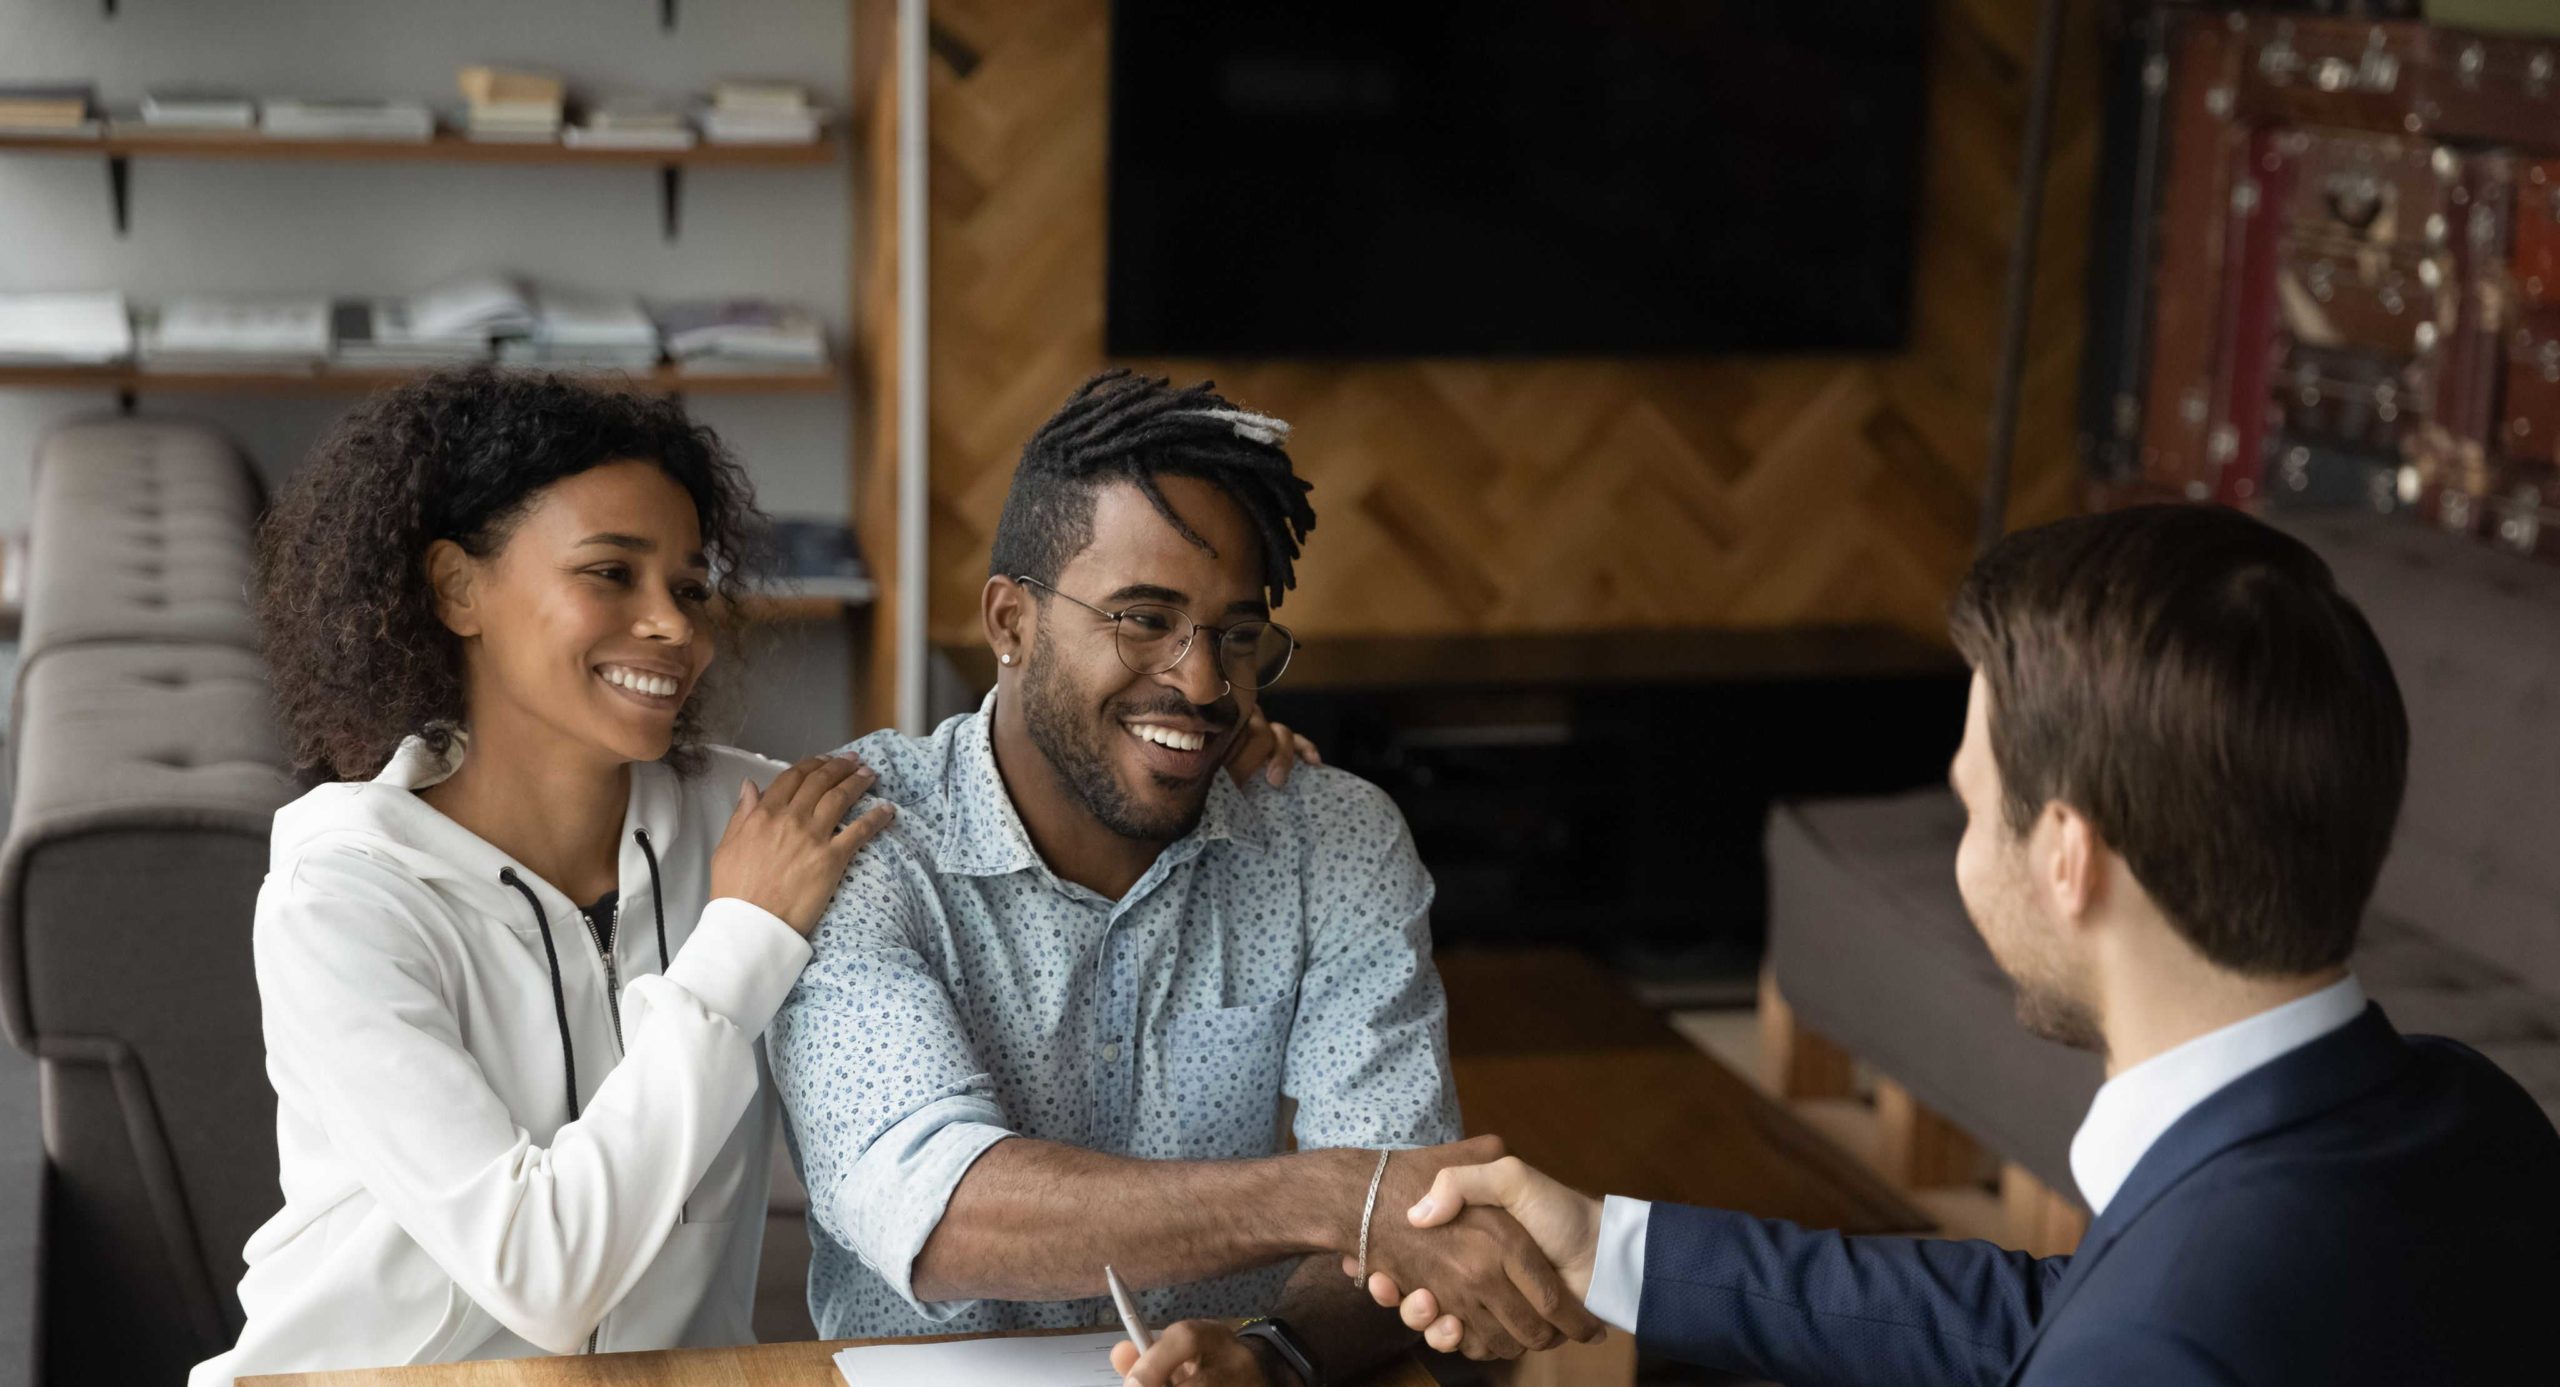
{"x": 385, "y": 820}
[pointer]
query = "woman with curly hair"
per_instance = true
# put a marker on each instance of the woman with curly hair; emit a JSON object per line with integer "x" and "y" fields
{"x": 516, "y": 957}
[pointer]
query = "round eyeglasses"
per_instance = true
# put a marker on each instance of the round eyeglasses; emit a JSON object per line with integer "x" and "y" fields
{"x": 1152, "y": 638}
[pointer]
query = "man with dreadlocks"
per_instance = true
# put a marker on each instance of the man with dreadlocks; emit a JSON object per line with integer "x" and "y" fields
{"x": 1060, "y": 1013}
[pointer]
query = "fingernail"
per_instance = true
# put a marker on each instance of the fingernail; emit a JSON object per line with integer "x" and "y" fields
{"x": 1419, "y": 1212}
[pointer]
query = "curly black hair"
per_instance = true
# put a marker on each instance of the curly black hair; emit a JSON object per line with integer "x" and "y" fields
{"x": 1123, "y": 427}
{"x": 346, "y": 617}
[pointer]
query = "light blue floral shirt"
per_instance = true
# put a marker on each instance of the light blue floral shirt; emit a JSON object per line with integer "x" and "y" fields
{"x": 961, "y": 993}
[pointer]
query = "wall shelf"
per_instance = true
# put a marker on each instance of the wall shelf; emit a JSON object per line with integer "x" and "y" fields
{"x": 128, "y": 381}
{"x": 447, "y": 147}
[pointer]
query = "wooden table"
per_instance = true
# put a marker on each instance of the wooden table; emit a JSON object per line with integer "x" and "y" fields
{"x": 1583, "y": 1081}
{"x": 759, "y": 1365}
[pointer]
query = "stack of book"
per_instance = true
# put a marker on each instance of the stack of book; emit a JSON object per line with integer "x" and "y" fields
{"x": 188, "y": 109}
{"x": 57, "y": 112}
{"x": 288, "y": 118}
{"x": 380, "y": 335}
{"x": 579, "y": 332}
{"x": 730, "y": 337}
{"x": 64, "y": 329}
{"x": 515, "y": 107}
{"x": 210, "y": 334}
{"x": 631, "y": 125}
{"x": 761, "y": 113}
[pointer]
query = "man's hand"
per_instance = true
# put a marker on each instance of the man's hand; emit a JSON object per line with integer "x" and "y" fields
{"x": 1499, "y": 1292}
{"x": 1565, "y": 1223}
{"x": 1196, "y": 1353}
{"x": 1269, "y": 749}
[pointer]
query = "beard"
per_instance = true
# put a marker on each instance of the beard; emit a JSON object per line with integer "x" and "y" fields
{"x": 2057, "y": 1016}
{"x": 2024, "y": 945}
{"x": 1076, "y": 748}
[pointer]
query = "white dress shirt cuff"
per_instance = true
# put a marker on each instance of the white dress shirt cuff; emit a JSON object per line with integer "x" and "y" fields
{"x": 1617, "y": 1269}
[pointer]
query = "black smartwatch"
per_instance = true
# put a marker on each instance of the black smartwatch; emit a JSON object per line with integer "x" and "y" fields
{"x": 1284, "y": 1342}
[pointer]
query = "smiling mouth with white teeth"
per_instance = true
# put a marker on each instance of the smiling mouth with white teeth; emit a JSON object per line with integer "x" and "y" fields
{"x": 637, "y": 681}
{"x": 1168, "y": 737}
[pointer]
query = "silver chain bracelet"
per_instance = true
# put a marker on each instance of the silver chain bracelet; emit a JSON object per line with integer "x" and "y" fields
{"x": 1368, "y": 1211}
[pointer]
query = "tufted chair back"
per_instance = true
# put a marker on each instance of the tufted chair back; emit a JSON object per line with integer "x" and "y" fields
{"x": 148, "y": 769}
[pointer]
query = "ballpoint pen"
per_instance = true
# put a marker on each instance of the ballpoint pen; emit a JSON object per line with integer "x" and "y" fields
{"x": 1129, "y": 1319}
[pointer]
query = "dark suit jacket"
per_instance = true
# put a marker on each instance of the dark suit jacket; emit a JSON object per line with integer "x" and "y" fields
{"x": 2369, "y": 1208}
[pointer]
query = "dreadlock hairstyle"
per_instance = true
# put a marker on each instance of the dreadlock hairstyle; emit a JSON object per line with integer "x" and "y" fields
{"x": 1122, "y": 427}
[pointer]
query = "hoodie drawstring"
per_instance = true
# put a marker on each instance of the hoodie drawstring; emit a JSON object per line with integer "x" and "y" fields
{"x": 657, "y": 898}
{"x": 559, "y": 999}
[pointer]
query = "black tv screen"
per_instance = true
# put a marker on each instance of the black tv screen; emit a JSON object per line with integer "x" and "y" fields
{"x": 1370, "y": 178}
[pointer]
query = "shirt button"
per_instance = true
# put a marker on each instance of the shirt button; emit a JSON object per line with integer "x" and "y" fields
{"x": 1111, "y": 1053}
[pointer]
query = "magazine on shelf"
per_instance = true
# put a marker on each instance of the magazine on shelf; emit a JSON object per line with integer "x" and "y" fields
{"x": 735, "y": 127}
{"x": 749, "y": 334}
{"x": 376, "y": 334}
{"x": 631, "y": 125}
{"x": 197, "y": 108}
{"x": 289, "y": 118}
{"x": 490, "y": 305}
{"x": 206, "y": 334}
{"x": 78, "y": 328}
{"x": 271, "y": 326}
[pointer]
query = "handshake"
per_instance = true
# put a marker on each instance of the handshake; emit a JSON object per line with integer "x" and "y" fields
{"x": 1463, "y": 1309}
{"x": 1482, "y": 1254}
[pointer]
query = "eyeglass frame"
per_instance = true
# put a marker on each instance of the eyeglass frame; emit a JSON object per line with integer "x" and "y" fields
{"x": 1188, "y": 639}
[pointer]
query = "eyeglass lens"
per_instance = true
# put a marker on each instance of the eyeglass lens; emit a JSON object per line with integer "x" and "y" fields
{"x": 1251, "y": 654}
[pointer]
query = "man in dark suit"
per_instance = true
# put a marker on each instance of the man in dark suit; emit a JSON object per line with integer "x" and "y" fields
{"x": 2181, "y": 767}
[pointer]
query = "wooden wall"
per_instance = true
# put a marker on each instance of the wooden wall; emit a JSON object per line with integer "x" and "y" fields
{"x": 1459, "y": 496}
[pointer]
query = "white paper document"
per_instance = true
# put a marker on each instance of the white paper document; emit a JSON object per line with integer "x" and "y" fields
{"x": 1053, "y": 1360}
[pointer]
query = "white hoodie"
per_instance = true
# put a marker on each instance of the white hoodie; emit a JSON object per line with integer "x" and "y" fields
{"x": 440, "y": 1202}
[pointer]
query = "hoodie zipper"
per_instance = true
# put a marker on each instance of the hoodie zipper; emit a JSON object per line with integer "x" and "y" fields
{"x": 612, "y": 973}
{"x": 613, "y": 1004}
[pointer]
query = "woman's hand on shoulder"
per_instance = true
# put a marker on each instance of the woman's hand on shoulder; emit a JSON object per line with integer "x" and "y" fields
{"x": 788, "y": 844}
{"x": 1271, "y": 750}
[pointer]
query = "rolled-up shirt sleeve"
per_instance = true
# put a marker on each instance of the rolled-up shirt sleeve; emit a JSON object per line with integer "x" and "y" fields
{"x": 888, "y": 1104}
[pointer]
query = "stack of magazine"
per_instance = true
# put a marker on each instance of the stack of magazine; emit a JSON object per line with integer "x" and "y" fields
{"x": 378, "y": 335}
{"x": 633, "y": 124}
{"x": 761, "y": 113}
{"x": 190, "y": 110}
{"x": 64, "y": 329}
{"x": 208, "y": 333}
{"x": 729, "y": 337}
{"x": 289, "y": 118}
{"x": 584, "y": 332}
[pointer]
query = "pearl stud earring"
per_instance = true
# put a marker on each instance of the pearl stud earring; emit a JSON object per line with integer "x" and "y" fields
{"x": 1004, "y": 659}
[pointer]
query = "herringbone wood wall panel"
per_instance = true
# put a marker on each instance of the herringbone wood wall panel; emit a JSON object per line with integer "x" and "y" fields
{"x": 1461, "y": 496}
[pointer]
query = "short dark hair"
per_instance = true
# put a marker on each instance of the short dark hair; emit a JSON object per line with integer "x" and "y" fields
{"x": 346, "y": 615}
{"x": 1122, "y": 427}
{"x": 2194, "y": 683}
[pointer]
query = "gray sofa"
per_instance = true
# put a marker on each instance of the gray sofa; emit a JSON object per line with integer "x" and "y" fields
{"x": 145, "y": 769}
{"x": 1870, "y": 946}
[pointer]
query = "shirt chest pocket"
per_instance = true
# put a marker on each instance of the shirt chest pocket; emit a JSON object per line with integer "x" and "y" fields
{"x": 1223, "y": 1065}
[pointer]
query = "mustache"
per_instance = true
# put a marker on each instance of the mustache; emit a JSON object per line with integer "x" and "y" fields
{"x": 1222, "y": 716}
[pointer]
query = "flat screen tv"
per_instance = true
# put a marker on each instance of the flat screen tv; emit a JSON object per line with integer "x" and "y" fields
{"x": 1374, "y": 178}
